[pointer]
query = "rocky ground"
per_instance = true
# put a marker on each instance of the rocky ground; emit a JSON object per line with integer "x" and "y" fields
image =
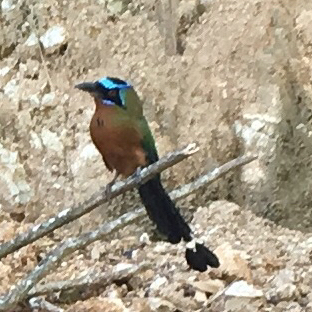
{"x": 233, "y": 76}
{"x": 264, "y": 267}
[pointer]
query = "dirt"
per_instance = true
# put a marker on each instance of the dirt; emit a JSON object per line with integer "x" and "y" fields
{"x": 233, "y": 76}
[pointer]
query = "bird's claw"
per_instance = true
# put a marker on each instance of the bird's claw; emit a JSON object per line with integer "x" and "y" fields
{"x": 136, "y": 176}
{"x": 108, "y": 189}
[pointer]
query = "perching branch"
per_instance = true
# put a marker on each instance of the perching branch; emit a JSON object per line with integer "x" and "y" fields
{"x": 121, "y": 271}
{"x": 54, "y": 258}
{"x": 68, "y": 215}
{"x": 42, "y": 304}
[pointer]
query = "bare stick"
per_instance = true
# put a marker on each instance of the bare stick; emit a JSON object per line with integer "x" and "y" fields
{"x": 42, "y": 304}
{"x": 20, "y": 291}
{"x": 91, "y": 280}
{"x": 68, "y": 215}
{"x": 211, "y": 176}
{"x": 54, "y": 258}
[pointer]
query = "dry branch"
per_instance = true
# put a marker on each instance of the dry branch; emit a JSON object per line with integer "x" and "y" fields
{"x": 68, "y": 215}
{"x": 20, "y": 291}
{"x": 211, "y": 176}
{"x": 91, "y": 280}
{"x": 54, "y": 258}
{"x": 41, "y": 304}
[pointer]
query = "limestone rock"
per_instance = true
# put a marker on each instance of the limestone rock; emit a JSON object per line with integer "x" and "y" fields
{"x": 158, "y": 283}
{"x": 53, "y": 37}
{"x": 209, "y": 286}
{"x": 13, "y": 179}
{"x": 117, "y": 6}
{"x": 243, "y": 289}
{"x": 7, "y": 5}
{"x": 51, "y": 141}
{"x": 233, "y": 262}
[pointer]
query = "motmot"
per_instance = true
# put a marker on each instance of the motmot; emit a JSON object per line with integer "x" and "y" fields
{"x": 122, "y": 135}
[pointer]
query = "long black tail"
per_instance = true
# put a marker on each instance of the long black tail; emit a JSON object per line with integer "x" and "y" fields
{"x": 162, "y": 211}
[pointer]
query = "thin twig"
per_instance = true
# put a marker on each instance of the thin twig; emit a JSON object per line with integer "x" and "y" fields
{"x": 68, "y": 215}
{"x": 20, "y": 291}
{"x": 40, "y": 303}
{"x": 121, "y": 271}
{"x": 43, "y": 61}
{"x": 54, "y": 258}
{"x": 211, "y": 176}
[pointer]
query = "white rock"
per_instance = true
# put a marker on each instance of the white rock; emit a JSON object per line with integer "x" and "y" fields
{"x": 13, "y": 176}
{"x": 286, "y": 291}
{"x": 144, "y": 238}
{"x": 159, "y": 282}
{"x": 53, "y": 36}
{"x": 89, "y": 152}
{"x": 51, "y": 141}
{"x": 7, "y": 157}
{"x": 209, "y": 286}
{"x": 284, "y": 276}
{"x": 85, "y": 153}
{"x": 135, "y": 254}
{"x": 113, "y": 294}
{"x": 7, "y": 5}
{"x": 57, "y": 186}
{"x": 48, "y": 98}
{"x": 200, "y": 296}
{"x": 243, "y": 289}
{"x": 116, "y": 6}
{"x": 31, "y": 40}
{"x": 10, "y": 89}
{"x": 294, "y": 307}
{"x": 309, "y": 241}
{"x": 123, "y": 267}
{"x": 34, "y": 100}
{"x": 35, "y": 141}
{"x": 257, "y": 125}
{"x": 95, "y": 253}
{"x": 233, "y": 262}
{"x": 4, "y": 70}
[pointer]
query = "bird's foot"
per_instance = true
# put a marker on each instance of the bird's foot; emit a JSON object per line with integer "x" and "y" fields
{"x": 108, "y": 188}
{"x": 136, "y": 176}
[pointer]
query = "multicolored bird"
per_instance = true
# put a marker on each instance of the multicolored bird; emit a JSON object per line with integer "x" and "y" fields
{"x": 121, "y": 133}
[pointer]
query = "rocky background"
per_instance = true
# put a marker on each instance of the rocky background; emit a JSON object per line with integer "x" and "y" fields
{"x": 233, "y": 76}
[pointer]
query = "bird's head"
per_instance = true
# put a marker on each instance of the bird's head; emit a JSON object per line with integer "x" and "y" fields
{"x": 108, "y": 91}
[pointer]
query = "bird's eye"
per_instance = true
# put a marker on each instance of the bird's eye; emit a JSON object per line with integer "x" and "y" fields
{"x": 112, "y": 93}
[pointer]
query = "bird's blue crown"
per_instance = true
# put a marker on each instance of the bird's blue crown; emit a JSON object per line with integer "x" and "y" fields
{"x": 114, "y": 83}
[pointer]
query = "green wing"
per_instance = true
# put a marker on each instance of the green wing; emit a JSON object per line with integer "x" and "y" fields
{"x": 134, "y": 113}
{"x": 148, "y": 142}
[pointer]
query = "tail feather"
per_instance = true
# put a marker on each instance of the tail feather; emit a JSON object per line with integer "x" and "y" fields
{"x": 199, "y": 257}
{"x": 163, "y": 212}
{"x": 169, "y": 222}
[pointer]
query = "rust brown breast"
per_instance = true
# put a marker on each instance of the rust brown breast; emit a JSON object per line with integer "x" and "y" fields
{"x": 118, "y": 141}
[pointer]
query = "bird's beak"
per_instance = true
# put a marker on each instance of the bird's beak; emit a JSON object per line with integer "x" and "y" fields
{"x": 87, "y": 87}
